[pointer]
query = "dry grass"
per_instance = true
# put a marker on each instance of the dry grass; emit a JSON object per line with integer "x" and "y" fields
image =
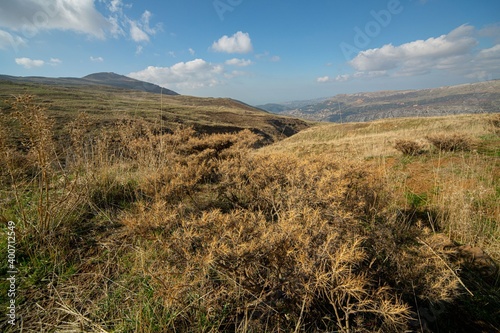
{"x": 377, "y": 138}
{"x": 136, "y": 230}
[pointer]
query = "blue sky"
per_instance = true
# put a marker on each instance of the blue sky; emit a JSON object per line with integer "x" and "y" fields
{"x": 257, "y": 51}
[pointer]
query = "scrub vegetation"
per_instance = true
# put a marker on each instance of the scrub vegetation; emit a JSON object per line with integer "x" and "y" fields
{"x": 390, "y": 226}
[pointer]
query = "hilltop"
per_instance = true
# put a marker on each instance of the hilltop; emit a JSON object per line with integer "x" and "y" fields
{"x": 480, "y": 97}
{"x": 102, "y": 79}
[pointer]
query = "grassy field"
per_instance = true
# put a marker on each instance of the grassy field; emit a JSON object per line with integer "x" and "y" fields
{"x": 389, "y": 226}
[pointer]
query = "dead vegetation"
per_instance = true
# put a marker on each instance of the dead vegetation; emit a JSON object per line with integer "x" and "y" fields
{"x": 409, "y": 147}
{"x": 451, "y": 142}
{"x": 139, "y": 231}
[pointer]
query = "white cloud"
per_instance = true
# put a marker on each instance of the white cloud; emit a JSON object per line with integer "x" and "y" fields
{"x": 140, "y": 31}
{"x": 454, "y": 52}
{"x": 96, "y": 59}
{"x": 7, "y": 40}
{"x": 238, "y": 62}
{"x": 193, "y": 74}
{"x": 240, "y": 42}
{"x": 191, "y": 51}
{"x": 29, "y": 17}
{"x": 115, "y": 6}
{"x": 115, "y": 28}
{"x": 266, "y": 56}
{"x": 29, "y": 63}
{"x": 417, "y": 55}
{"x": 137, "y": 34}
{"x": 55, "y": 61}
{"x": 323, "y": 79}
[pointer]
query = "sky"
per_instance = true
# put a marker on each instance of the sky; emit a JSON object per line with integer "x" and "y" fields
{"x": 256, "y": 51}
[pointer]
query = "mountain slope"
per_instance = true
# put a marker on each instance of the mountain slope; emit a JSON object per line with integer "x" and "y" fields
{"x": 481, "y": 97}
{"x": 105, "y": 79}
{"x": 106, "y": 105}
{"x": 116, "y": 80}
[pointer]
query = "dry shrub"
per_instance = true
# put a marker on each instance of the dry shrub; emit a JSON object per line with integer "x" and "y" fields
{"x": 451, "y": 142}
{"x": 409, "y": 147}
{"x": 295, "y": 244}
{"x": 279, "y": 182}
{"x": 246, "y": 273}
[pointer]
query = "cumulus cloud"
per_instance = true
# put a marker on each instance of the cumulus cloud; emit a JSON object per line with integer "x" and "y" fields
{"x": 420, "y": 55}
{"x": 238, "y": 62}
{"x": 454, "y": 52}
{"x": 29, "y": 17}
{"x": 29, "y": 63}
{"x": 193, "y": 74}
{"x": 240, "y": 42}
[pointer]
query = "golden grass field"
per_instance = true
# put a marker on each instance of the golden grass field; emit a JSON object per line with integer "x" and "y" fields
{"x": 124, "y": 228}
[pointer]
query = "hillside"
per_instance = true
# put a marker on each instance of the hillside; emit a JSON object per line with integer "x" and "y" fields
{"x": 132, "y": 223}
{"x": 101, "y": 79}
{"x": 481, "y": 97}
{"x": 105, "y": 105}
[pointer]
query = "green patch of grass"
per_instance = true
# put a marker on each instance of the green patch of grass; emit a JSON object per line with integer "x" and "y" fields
{"x": 416, "y": 200}
{"x": 489, "y": 145}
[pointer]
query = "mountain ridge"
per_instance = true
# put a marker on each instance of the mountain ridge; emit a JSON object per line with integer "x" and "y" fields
{"x": 479, "y": 97}
{"x": 100, "y": 78}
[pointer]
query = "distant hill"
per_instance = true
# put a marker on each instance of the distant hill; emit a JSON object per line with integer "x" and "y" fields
{"x": 105, "y": 79}
{"x": 108, "y": 104}
{"x": 481, "y": 97}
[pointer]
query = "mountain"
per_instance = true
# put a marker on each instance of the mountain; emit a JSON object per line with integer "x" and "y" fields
{"x": 104, "y": 79}
{"x": 120, "y": 81}
{"x": 480, "y": 97}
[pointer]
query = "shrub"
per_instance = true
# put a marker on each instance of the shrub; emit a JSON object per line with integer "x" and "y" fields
{"x": 451, "y": 142}
{"x": 409, "y": 147}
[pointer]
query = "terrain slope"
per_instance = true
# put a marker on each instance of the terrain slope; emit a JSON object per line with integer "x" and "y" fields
{"x": 480, "y": 97}
{"x": 107, "y": 104}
